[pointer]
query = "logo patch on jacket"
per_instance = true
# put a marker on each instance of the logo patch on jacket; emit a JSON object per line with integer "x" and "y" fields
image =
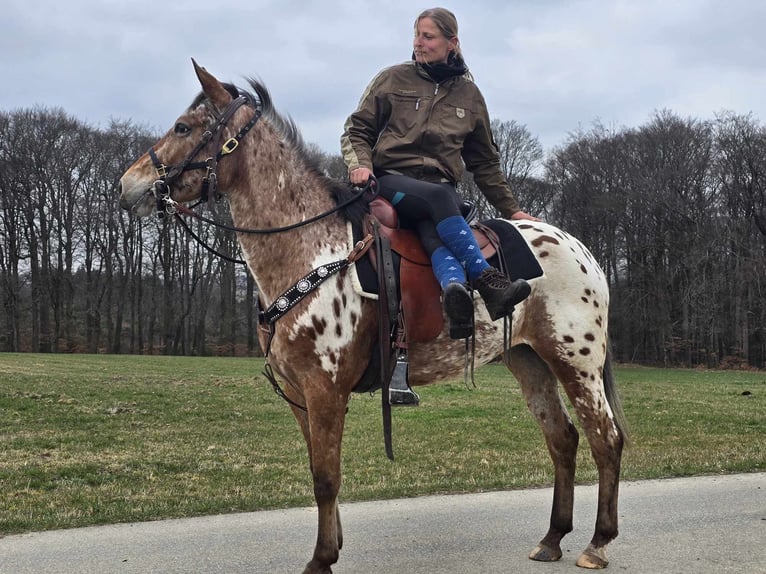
{"x": 460, "y": 112}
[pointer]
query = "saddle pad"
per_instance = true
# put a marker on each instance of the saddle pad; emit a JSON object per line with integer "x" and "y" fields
{"x": 363, "y": 276}
{"x": 519, "y": 260}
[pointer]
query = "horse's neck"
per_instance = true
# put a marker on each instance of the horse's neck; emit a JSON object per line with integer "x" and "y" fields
{"x": 273, "y": 198}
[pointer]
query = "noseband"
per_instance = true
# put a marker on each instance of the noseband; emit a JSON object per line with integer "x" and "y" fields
{"x": 167, "y": 174}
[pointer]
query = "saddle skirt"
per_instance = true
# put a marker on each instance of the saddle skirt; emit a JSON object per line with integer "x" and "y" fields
{"x": 419, "y": 291}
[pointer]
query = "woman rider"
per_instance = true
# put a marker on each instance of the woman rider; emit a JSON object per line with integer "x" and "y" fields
{"x": 418, "y": 125}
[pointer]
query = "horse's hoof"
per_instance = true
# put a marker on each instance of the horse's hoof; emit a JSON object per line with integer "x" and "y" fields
{"x": 543, "y": 553}
{"x": 313, "y": 568}
{"x": 593, "y": 558}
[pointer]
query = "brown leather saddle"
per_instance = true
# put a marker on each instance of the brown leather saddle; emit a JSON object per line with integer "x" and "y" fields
{"x": 420, "y": 293}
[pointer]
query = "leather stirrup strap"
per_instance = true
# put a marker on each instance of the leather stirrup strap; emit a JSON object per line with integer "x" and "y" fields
{"x": 386, "y": 316}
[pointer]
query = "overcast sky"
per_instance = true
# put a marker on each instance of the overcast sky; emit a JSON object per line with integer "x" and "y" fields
{"x": 555, "y": 66}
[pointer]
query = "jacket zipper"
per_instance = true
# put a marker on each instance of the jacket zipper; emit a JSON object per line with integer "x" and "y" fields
{"x": 428, "y": 119}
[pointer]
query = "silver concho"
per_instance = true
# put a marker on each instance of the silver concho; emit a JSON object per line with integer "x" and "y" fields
{"x": 303, "y": 285}
{"x": 322, "y": 271}
{"x": 282, "y": 303}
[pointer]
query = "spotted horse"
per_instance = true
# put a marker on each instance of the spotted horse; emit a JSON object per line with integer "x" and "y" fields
{"x": 232, "y": 141}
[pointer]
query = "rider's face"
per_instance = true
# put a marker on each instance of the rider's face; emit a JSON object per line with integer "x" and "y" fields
{"x": 430, "y": 45}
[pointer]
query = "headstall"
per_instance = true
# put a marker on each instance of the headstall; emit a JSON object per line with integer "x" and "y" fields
{"x": 168, "y": 173}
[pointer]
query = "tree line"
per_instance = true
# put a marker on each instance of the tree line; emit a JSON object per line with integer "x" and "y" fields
{"x": 674, "y": 210}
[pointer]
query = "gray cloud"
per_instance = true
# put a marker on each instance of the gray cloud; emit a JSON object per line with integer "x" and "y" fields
{"x": 554, "y": 65}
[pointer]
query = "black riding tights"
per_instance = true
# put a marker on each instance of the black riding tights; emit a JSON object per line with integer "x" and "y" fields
{"x": 420, "y": 205}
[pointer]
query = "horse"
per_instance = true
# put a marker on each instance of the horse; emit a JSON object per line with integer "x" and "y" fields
{"x": 232, "y": 141}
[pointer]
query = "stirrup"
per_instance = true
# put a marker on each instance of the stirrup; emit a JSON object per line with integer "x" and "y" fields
{"x": 400, "y": 394}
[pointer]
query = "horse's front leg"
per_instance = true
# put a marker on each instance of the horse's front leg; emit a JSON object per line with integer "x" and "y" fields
{"x": 322, "y": 426}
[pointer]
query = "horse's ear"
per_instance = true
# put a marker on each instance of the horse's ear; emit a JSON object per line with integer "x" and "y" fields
{"x": 212, "y": 87}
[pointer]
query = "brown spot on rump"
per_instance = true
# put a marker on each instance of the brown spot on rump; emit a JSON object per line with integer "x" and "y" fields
{"x": 588, "y": 292}
{"x": 568, "y": 339}
{"x": 354, "y": 318}
{"x": 338, "y": 330}
{"x": 583, "y": 269}
{"x": 590, "y": 337}
{"x": 543, "y": 254}
{"x": 585, "y": 351}
{"x": 336, "y": 307}
{"x": 584, "y": 374}
{"x": 544, "y": 239}
{"x": 333, "y": 358}
{"x": 526, "y": 226}
{"x": 344, "y": 300}
{"x": 595, "y": 304}
{"x": 584, "y": 299}
{"x": 599, "y": 321}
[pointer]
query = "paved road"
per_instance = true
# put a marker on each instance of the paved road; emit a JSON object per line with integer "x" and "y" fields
{"x": 691, "y": 525}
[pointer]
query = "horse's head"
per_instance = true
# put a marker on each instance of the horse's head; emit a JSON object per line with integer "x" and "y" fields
{"x": 181, "y": 166}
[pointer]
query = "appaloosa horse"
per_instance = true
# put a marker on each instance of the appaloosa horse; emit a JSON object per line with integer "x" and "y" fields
{"x": 235, "y": 140}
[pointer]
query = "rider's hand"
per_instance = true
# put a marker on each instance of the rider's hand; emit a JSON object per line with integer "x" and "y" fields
{"x": 522, "y": 215}
{"x": 360, "y": 176}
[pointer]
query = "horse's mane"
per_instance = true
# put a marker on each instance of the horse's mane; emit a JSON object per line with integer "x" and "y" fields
{"x": 290, "y": 135}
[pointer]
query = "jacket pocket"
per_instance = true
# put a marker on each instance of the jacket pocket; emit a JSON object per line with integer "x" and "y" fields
{"x": 407, "y": 114}
{"x": 454, "y": 122}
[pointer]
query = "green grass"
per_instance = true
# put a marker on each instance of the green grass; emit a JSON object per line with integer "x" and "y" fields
{"x": 93, "y": 439}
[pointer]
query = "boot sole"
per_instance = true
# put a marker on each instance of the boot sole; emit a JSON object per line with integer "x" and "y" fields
{"x": 521, "y": 292}
{"x": 458, "y": 306}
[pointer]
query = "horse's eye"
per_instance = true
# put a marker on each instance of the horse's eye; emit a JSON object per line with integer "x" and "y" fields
{"x": 181, "y": 129}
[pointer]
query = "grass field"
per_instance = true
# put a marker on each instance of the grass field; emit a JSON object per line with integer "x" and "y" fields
{"x": 92, "y": 439}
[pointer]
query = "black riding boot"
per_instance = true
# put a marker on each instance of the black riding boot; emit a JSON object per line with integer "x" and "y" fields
{"x": 499, "y": 293}
{"x": 458, "y": 306}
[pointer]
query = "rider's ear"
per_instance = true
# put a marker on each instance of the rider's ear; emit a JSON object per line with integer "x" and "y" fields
{"x": 212, "y": 87}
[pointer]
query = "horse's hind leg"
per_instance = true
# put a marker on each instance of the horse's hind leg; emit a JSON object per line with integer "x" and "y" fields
{"x": 594, "y": 399}
{"x": 540, "y": 390}
{"x": 322, "y": 427}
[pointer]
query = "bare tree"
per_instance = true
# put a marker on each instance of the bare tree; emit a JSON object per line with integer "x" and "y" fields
{"x": 520, "y": 157}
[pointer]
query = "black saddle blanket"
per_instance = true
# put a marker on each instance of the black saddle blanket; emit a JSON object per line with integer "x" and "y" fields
{"x": 519, "y": 261}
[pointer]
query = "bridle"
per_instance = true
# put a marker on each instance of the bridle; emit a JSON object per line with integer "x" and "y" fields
{"x": 167, "y": 174}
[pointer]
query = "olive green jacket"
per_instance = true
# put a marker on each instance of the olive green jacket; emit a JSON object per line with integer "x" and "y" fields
{"x": 407, "y": 123}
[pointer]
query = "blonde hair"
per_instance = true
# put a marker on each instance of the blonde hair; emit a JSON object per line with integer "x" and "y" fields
{"x": 445, "y": 21}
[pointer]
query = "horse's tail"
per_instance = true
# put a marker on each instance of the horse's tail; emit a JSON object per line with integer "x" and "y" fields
{"x": 613, "y": 397}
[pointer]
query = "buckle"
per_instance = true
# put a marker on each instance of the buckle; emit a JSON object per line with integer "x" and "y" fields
{"x": 229, "y": 146}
